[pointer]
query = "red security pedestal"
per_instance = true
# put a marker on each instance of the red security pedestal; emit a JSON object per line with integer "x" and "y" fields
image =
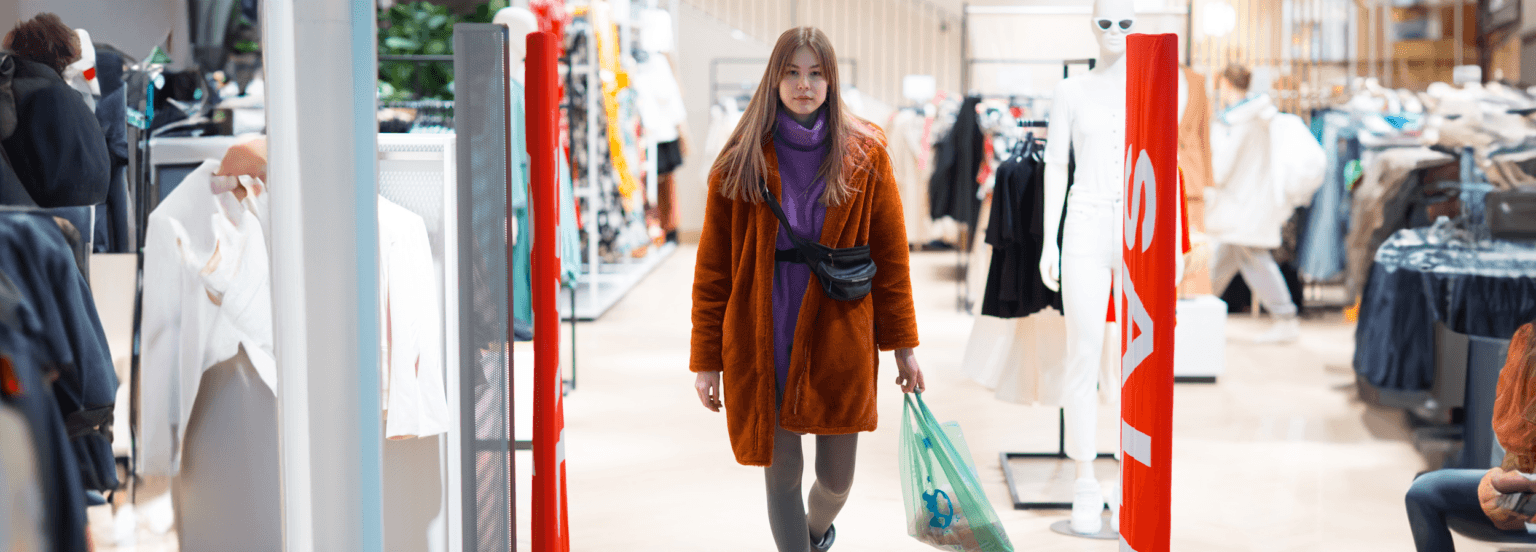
{"x": 1148, "y": 290}
{"x": 550, "y": 522}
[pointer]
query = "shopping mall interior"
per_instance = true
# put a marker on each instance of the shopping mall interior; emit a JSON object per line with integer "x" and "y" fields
{"x": 587, "y": 275}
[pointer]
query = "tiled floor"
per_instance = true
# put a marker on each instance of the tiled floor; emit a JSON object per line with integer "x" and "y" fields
{"x": 1278, "y": 455}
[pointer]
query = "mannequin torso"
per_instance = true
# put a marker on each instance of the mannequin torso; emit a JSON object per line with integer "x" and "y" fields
{"x": 1088, "y": 120}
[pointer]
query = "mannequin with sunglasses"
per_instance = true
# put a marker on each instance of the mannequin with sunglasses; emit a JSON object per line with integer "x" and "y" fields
{"x": 1087, "y": 123}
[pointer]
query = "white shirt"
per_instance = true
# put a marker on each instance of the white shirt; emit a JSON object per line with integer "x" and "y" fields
{"x": 1088, "y": 117}
{"x": 207, "y": 297}
{"x": 410, "y": 328}
{"x": 660, "y": 100}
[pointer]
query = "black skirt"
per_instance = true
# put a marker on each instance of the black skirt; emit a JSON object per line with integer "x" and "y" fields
{"x": 668, "y": 157}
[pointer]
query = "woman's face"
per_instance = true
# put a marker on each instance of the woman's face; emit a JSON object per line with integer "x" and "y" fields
{"x": 803, "y": 88}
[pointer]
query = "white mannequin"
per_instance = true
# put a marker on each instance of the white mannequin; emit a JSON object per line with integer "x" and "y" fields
{"x": 1088, "y": 117}
{"x": 519, "y": 22}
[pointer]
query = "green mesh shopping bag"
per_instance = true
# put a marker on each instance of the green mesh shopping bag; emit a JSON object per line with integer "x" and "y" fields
{"x": 946, "y": 507}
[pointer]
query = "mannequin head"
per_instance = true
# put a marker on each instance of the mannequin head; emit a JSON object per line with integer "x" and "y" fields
{"x": 1112, "y": 20}
{"x": 519, "y": 23}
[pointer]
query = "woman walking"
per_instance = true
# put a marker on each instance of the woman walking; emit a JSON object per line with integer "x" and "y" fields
{"x": 768, "y": 344}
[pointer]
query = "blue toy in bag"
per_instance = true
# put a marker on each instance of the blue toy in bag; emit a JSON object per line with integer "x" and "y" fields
{"x": 945, "y": 505}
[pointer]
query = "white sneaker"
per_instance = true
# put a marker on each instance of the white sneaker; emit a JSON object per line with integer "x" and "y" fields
{"x": 1087, "y": 507}
{"x": 1285, "y": 330}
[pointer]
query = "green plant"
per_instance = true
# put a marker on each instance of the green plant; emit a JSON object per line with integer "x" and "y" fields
{"x": 422, "y": 28}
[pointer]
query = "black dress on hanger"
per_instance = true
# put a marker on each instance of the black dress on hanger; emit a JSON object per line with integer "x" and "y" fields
{"x": 1016, "y": 234}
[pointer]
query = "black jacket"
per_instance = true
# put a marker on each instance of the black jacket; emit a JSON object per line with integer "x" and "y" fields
{"x": 957, "y": 160}
{"x": 1016, "y": 232}
{"x": 58, "y": 155}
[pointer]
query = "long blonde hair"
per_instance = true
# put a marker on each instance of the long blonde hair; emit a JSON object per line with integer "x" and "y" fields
{"x": 742, "y": 163}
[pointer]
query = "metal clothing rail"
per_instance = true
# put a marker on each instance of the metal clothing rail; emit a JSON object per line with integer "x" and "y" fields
{"x": 962, "y": 252}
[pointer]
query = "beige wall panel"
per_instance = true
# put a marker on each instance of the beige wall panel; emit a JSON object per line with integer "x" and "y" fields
{"x": 701, "y": 38}
{"x": 888, "y": 39}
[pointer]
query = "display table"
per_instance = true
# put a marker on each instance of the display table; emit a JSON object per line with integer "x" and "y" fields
{"x": 1433, "y": 274}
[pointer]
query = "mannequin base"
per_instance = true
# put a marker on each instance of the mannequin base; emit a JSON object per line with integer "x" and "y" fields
{"x": 1107, "y": 533}
{"x": 1061, "y": 458}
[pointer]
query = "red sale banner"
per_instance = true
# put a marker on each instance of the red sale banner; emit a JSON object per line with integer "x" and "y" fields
{"x": 1147, "y": 289}
{"x": 551, "y": 527}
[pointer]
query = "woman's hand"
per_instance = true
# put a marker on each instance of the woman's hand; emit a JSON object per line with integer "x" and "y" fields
{"x": 708, "y": 386}
{"x": 1488, "y": 495}
{"x": 908, "y": 375}
{"x": 246, "y": 159}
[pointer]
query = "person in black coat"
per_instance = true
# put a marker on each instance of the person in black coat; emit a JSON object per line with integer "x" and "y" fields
{"x": 57, "y": 156}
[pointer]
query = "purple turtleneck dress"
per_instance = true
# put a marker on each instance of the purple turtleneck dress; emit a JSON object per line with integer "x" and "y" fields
{"x": 800, "y": 151}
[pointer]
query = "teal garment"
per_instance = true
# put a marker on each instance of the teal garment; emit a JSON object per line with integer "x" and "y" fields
{"x": 568, "y": 245}
{"x": 522, "y": 249}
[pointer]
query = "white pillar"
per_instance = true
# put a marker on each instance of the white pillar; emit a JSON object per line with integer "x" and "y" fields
{"x": 320, "y": 73}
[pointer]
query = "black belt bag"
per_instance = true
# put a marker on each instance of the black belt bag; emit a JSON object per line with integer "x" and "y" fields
{"x": 846, "y": 274}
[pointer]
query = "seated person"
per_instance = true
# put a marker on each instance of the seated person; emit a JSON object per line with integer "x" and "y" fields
{"x": 1466, "y": 499}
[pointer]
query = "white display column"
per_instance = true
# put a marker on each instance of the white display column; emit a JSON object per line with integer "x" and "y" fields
{"x": 321, "y": 70}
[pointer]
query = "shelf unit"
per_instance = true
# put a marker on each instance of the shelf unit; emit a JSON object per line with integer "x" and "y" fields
{"x": 601, "y": 285}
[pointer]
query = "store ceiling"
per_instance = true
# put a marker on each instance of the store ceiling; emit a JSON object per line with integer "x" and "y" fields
{"x": 956, "y": 6}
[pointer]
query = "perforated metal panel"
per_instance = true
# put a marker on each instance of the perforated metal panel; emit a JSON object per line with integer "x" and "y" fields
{"x": 480, "y": 119}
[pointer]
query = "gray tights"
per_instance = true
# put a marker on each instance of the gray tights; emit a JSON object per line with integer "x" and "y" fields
{"x": 792, "y": 527}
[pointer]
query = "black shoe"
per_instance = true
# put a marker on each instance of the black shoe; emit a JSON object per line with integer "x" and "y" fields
{"x": 826, "y": 540}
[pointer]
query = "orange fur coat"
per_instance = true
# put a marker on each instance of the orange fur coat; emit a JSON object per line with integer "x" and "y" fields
{"x": 832, "y": 373}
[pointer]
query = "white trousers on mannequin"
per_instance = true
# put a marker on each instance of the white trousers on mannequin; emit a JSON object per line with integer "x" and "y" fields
{"x": 1090, "y": 259}
{"x": 1259, "y": 271}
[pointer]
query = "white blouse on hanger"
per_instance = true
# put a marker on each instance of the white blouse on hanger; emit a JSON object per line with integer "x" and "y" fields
{"x": 207, "y": 298}
{"x": 410, "y": 328}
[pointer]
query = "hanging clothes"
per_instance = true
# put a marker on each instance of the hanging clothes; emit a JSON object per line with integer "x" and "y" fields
{"x": 957, "y": 161}
{"x": 659, "y": 98}
{"x": 568, "y": 231}
{"x": 1377, "y": 206}
{"x": 206, "y": 253}
{"x": 1016, "y": 233}
{"x": 23, "y": 388}
{"x": 723, "y": 118}
{"x": 608, "y": 54}
{"x": 1195, "y": 148}
{"x": 114, "y": 224}
{"x": 1320, "y": 253}
{"x": 522, "y": 246}
{"x": 411, "y": 342}
{"x": 911, "y": 160}
{"x": 69, "y": 342}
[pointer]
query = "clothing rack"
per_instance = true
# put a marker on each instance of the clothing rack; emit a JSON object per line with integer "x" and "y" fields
{"x": 962, "y": 254}
{"x": 962, "y": 260}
